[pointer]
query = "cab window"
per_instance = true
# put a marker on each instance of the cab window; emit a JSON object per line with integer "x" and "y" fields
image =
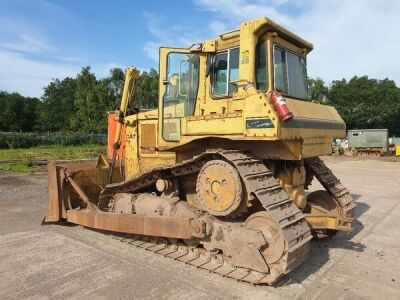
{"x": 225, "y": 70}
{"x": 290, "y": 73}
{"x": 261, "y": 66}
{"x": 179, "y": 101}
{"x": 297, "y": 76}
{"x": 280, "y": 76}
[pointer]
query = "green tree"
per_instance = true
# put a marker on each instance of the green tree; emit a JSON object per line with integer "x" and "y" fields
{"x": 147, "y": 90}
{"x": 367, "y": 103}
{"x": 317, "y": 88}
{"x": 86, "y": 102}
{"x": 30, "y": 110}
{"x": 3, "y": 103}
{"x": 57, "y": 108}
{"x": 14, "y": 112}
{"x": 109, "y": 89}
{"x": 116, "y": 82}
{"x": 18, "y": 113}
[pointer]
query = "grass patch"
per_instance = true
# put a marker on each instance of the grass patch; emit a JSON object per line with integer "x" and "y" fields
{"x": 18, "y": 168}
{"x": 26, "y": 160}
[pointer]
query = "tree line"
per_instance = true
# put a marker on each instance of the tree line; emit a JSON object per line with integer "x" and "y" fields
{"x": 77, "y": 104}
{"x": 80, "y": 104}
{"x": 363, "y": 103}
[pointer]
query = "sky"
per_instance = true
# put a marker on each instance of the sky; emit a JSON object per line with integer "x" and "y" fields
{"x": 41, "y": 39}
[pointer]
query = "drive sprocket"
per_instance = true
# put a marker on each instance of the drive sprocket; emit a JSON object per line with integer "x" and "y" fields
{"x": 219, "y": 188}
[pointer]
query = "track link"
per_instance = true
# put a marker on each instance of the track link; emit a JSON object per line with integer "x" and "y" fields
{"x": 200, "y": 258}
{"x": 260, "y": 186}
{"x": 332, "y": 184}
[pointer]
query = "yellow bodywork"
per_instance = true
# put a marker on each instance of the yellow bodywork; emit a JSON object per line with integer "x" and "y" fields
{"x": 217, "y": 95}
{"x": 221, "y": 123}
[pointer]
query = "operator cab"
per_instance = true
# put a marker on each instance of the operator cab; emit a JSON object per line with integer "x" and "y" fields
{"x": 208, "y": 80}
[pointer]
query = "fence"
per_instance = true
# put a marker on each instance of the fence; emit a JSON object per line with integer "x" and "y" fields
{"x": 11, "y": 140}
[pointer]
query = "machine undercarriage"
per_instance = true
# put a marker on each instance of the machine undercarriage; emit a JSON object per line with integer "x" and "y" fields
{"x": 234, "y": 219}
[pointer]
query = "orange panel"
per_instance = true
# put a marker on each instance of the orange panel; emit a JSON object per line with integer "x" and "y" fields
{"x": 112, "y": 127}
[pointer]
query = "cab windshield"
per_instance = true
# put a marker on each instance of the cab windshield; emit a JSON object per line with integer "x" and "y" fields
{"x": 290, "y": 73}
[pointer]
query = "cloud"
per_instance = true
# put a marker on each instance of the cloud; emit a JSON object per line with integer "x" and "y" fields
{"x": 22, "y": 36}
{"x": 29, "y": 76}
{"x": 358, "y": 37}
{"x": 29, "y": 60}
{"x": 233, "y": 12}
{"x": 18, "y": 73}
{"x": 353, "y": 38}
{"x": 25, "y": 43}
{"x": 168, "y": 36}
{"x": 151, "y": 49}
{"x": 217, "y": 27}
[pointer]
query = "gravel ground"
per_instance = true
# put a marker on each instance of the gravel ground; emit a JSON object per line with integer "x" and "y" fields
{"x": 41, "y": 262}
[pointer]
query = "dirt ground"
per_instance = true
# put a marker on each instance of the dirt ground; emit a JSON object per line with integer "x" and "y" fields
{"x": 42, "y": 262}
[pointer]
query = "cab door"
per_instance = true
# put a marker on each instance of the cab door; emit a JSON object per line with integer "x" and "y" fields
{"x": 178, "y": 88}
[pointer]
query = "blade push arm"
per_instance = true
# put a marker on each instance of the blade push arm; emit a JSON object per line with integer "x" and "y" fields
{"x": 132, "y": 74}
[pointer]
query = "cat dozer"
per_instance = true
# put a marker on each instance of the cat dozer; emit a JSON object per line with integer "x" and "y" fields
{"x": 216, "y": 176}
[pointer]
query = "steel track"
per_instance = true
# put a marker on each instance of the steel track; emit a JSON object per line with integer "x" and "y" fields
{"x": 331, "y": 183}
{"x": 261, "y": 186}
{"x": 203, "y": 259}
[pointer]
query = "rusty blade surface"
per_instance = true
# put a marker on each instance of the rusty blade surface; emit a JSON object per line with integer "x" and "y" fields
{"x": 53, "y": 213}
{"x": 171, "y": 227}
{"x": 84, "y": 183}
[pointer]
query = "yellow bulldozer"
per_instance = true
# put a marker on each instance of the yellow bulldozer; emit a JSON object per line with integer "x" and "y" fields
{"x": 216, "y": 176}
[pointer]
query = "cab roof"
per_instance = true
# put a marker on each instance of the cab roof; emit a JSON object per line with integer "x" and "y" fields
{"x": 264, "y": 24}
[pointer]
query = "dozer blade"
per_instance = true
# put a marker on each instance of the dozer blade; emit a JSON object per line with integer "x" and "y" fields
{"x": 74, "y": 184}
{"x": 179, "y": 228}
